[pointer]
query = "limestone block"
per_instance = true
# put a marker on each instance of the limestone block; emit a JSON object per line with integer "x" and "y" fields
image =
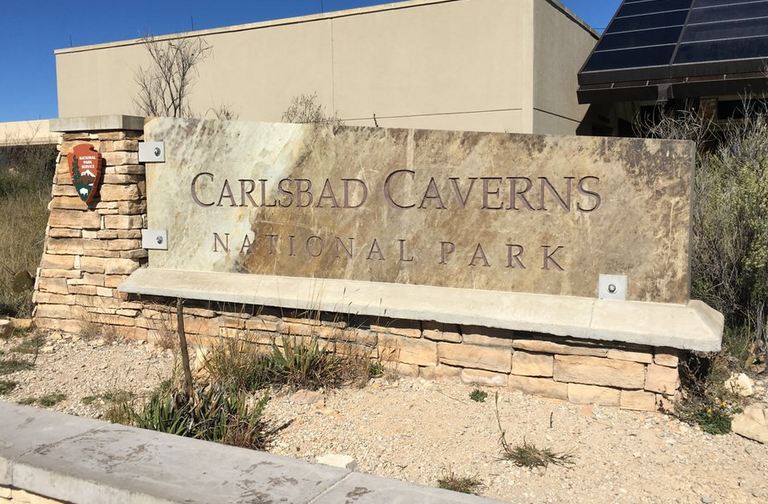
{"x": 638, "y": 400}
{"x": 104, "y": 292}
{"x": 662, "y": 379}
{"x": 408, "y": 328}
{"x": 130, "y": 234}
{"x": 53, "y": 285}
{"x": 441, "y": 332}
{"x": 752, "y": 423}
{"x": 113, "y": 192}
{"x": 416, "y": 351}
{"x": 113, "y": 280}
{"x": 262, "y": 323}
{"x": 644, "y": 357}
{"x": 120, "y": 266}
{"x": 68, "y": 246}
{"x": 477, "y": 357}
{"x": 126, "y": 170}
{"x": 66, "y": 326}
{"x": 82, "y": 290}
{"x": 485, "y": 336}
{"x": 343, "y": 461}
{"x": 123, "y": 244}
{"x": 112, "y": 320}
{"x": 123, "y": 221}
{"x": 58, "y": 311}
{"x": 598, "y": 371}
{"x": 64, "y": 233}
{"x": 56, "y": 273}
{"x": 590, "y": 394}
{"x": 529, "y": 364}
{"x": 74, "y": 219}
{"x": 67, "y": 203}
{"x": 64, "y": 190}
{"x": 63, "y": 262}
{"x": 401, "y": 369}
{"x": 487, "y": 378}
{"x": 360, "y": 336}
{"x": 93, "y": 264}
{"x": 126, "y": 145}
{"x": 666, "y": 357}
{"x": 539, "y": 386}
{"x": 135, "y": 255}
{"x": 48, "y": 298}
{"x": 439, "y": 372}
{"x": 120, "y": 158}
{"x": 544, "y": 346}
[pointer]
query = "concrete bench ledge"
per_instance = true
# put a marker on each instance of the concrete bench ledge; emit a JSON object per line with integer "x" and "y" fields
{"x": 694, "y": 326}
{"x": 86, "y": 461}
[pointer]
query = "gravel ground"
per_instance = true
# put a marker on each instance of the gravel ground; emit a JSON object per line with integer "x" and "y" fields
{"x": 416, "y": 430}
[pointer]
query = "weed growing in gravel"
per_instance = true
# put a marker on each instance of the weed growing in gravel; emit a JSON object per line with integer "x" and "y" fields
{"x": 45, "y": 401}
{"x": 49, "y": 400}
{"x": 110, "y": 396}
{"x": 7, "y": 386}
{"x": 375, "y": 369}
{"x": 9, "y": 366}
{"x": 213, "y": 413}
{"x": 478, "y": 395}
{"x": 30, "y": 345}
{"x": 528, "y": 455}
{"x": 298, "y": 363}
{"x": 467, "y": 485}
{"x": 706, "y": 401}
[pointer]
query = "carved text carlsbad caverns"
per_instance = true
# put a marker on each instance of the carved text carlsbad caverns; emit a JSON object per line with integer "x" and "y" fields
{"x": 401, "y": 192}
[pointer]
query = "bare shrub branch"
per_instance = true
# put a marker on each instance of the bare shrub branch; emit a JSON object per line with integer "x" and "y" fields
{"x": 164, "y": 85}
{"x": 306, "y": 109}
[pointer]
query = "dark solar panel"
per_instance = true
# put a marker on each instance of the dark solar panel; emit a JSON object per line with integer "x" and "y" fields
{"x": 666, "y": 39}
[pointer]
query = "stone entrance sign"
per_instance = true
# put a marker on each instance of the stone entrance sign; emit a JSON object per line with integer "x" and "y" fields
{"x": 519, "y": 213}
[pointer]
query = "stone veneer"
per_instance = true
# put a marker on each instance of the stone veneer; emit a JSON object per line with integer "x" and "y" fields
{"x": 88, "y": 253}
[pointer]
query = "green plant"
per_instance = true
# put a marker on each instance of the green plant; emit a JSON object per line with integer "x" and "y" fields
{"x": 463, "y": 484}
{"x": 213, "y": 413}
{"x": 375, "y": 369}
{"x": 529, "y": 455}
{"x": 478, "y": 395}
{"x": 303, "y": 364}
{"x": 9, "y": 366}
{"x": 49, "y": 400}
{"x": 729, "y": 220}
{"x": 7, "y": 386}
{"x": 238, "y": 363}
{"x": 706, "y": 401}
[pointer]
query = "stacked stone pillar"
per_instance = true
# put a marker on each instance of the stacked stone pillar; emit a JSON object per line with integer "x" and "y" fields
{"x": 88, "y": 252}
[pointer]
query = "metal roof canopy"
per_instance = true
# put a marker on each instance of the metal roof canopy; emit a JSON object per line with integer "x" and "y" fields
{"x": 664, "y": 49}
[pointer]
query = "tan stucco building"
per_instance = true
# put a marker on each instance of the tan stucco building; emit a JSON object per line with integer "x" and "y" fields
{"x": 491, "y": 65}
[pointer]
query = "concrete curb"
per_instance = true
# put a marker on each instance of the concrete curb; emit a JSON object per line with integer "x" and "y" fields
{"x": 86, "y": 461}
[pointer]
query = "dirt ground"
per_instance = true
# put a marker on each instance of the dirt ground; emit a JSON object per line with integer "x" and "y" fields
{"x": 417, "y": 430}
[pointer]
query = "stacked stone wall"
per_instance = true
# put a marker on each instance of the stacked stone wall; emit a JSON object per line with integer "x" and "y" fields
{"x": 89, "y": 252}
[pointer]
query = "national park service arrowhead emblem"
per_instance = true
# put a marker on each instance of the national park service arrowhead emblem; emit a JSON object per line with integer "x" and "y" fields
{"x": 85, "y": 169}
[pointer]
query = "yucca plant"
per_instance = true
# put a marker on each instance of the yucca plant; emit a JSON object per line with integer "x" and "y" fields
{"x": 303, "y": 364}
{"x": 213, "y": 413}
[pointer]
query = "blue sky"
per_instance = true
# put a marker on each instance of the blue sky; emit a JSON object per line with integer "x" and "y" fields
{"x": 30, "y": 30}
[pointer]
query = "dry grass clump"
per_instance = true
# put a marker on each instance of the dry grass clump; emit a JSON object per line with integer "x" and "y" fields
{"x": 25, "y": 179}
{"x": 463, "y": 484}
{"x": 297, "y": 363}
{"x": 529, "y": 455}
